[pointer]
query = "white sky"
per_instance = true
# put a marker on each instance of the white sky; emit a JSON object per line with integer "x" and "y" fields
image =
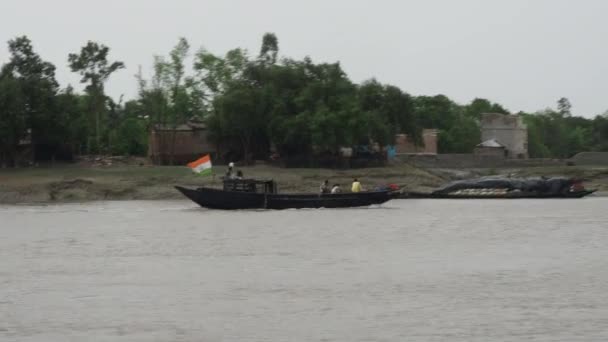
{"x": 524, "y": 54}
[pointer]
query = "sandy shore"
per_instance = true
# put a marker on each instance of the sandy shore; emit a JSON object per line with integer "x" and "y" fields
{"x": 72, "y": 183}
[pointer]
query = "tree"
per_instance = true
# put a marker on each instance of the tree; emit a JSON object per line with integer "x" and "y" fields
{"x": 462, "y": 137}
{"x": 349, "y": 126}
{"x": 437, "y": 111}
{"x": 536, "y": 139}
{"x": 172, "y": 97}
{"x": 231, "y": 121}
{"x": 130, "y": 136}
{"x": 71, "y": 108}
{"x": 479, "y": 106}
{"x": 578, "y": 140}
{"x": 174, "y": 74}
{"x": 93, "y": 65}
{"x": 217, "y": 73}
{"x": 36, "y": 80}
{"x": 269, "y": 49}
{"x": 391, "y": 106}
{"x": 564, "y": 107}
{"x": 152, "y": 99}
{"x": 237, "y": 112}
{"x": 550, "y": 134}
{"x": 12, "y": 119}
{"x": 600, "y": 132}
{"x": 301, "y": 108}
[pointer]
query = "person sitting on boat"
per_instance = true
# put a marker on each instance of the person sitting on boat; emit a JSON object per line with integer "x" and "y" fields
{"x": 356, "y": 186}
{"x": 324, "y": 188}
{"x": 239, "y": 174}
{"x": 336, "y": 189}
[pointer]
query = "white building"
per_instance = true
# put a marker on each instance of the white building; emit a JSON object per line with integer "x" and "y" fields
{"x": 509, "y": 131}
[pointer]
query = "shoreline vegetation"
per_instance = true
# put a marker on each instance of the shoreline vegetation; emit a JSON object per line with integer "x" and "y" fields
{"x": 65, "y": 183}
{"x": 252, "y": 104}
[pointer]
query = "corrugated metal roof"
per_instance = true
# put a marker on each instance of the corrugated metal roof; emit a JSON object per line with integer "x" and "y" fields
{"x": 491, "y": 143}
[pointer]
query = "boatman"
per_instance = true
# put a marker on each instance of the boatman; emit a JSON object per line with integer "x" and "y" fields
{"x": 356, "y": 186}
{"x": 324, "y": 188}
{"x": 230, "y": 173}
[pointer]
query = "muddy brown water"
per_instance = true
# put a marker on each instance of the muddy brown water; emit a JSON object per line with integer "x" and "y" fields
{"x": 409, "y": 270}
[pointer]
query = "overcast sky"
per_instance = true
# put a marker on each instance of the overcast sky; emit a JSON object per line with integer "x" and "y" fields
{"x": 524, "y": 54}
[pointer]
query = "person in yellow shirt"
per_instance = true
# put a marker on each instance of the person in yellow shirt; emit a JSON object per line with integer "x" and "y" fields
{"x": 356, "y": 186}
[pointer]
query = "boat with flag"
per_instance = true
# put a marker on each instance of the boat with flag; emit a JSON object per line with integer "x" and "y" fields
{"x": 238, "y": 193}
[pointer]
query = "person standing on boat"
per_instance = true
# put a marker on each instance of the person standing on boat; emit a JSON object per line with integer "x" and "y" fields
{"x": 324, "y": 188}
{"x": 230, "y": 173}
{"x": 356, "y": 186}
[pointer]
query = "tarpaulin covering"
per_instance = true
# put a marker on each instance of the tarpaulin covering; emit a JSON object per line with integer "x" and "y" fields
{"x": 543, "y": 185}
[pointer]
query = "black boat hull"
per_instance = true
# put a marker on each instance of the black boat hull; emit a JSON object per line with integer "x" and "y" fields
{"x": 230, "y": 200}
{"x": 344, "y": 200}
{"x": 511, "y": 195}
{"x": 220, "y": 199}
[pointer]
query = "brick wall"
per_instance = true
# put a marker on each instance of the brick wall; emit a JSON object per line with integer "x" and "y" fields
{"x": 189, "y": 145}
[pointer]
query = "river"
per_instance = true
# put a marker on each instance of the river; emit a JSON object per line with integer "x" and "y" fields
{"x": 410, "y": 270}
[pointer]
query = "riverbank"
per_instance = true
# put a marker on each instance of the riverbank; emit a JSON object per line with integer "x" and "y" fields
{"x": 75, "y": 183}
{"x": 71, "y": 183}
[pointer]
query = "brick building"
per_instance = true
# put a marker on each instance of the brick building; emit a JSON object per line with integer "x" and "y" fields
{"x": 187, "y": 142}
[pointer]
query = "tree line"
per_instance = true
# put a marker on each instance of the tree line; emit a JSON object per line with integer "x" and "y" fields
{"x": 251, "y": 103}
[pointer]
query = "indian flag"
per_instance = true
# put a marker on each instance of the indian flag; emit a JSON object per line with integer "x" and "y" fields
{"x": 202, "y": 166}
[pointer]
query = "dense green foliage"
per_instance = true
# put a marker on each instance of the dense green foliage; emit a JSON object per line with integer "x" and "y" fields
{"x": 93, "y": 65}
{"x": 251, "y": 104}
{"x": 555, "y": 133}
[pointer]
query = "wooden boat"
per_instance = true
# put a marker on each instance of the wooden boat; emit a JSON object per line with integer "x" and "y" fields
{"x": 256, "y": 194}
{"x": 489, "y": 195}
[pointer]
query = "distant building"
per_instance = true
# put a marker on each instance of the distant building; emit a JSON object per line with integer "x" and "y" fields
{"x": 509, "y": 131}
{"x": 187, "y": 142}
{"x": 405, "y": 145}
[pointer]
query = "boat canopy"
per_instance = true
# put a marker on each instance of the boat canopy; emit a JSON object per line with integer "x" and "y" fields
{"x": 250, "y": 185}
